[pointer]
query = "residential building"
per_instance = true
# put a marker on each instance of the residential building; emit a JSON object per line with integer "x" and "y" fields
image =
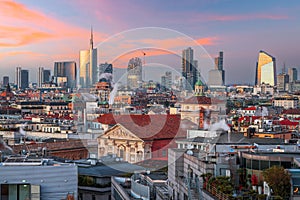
{"x": 286, "y": 102}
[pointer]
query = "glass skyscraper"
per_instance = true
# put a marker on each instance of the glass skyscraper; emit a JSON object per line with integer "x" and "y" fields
{"x": 189, "y": 68}
{"x": 134, "y": 73}
{"x": 265, "y": 69}
{"x": 88, "y": 66}
{"x": 66, "y": 69}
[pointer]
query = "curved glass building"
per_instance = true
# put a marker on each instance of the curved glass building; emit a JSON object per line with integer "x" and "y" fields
{"x": 265, "y": 69}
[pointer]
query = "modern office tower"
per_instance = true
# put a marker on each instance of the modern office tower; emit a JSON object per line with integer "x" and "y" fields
{"x": 282, "y": 82}
{"x": 88, "y": 66}
{"x": 22, "y": 78}
{"x": 293, "y": 74}
{"x": 40, "y": 76}
{"x": 265, "y": 69}
{"x": 220, "y": 61}
{"x": 65, "y": 73}
{"x": 189, "y": 68}
{"x": 166, "y": 80}
{"x": 105, "y": 68}
{"x": 134, "y": 73}
{"x": 168, "y": 76}
{"x": 216, "y": 76}
{"x": 47, "y": 75}
{"x": 5, "y": 80}
{"x": 163, "y": 82}
{"x": 18, "y": 77}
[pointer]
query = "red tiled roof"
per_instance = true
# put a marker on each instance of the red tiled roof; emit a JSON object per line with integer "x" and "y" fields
{"x": 292, "y": 111}
{"x": 250, "y": 108}
{"x": 198, "y": 100}
{"x": 148, "y": 127}
{"x": 287, "y": 122}
{"x": 247, "y": 118}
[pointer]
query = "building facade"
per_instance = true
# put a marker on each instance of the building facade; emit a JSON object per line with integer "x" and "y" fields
{"x": 282, "y": 82}
{"x": 134, "y": 73}
{"x": 189, "y": 68}
{"x": 216, "y": 76}
{"x": 265, "y": 69}
{"x": 22, "y": 78}
{"x": 88, "y": 66}
{"x": 65, "y": 71}
{"x": 5, "y": 81}
{"x": 293, "y": 74}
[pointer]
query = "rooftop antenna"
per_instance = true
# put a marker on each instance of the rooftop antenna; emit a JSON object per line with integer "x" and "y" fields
{"x": 91, "y": 39}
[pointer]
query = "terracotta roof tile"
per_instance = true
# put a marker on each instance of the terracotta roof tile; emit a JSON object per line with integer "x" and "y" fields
{"x": 149, "y": 127}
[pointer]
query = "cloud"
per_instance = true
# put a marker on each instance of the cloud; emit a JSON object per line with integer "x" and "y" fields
{"x": 32, "y": 26}
{"x": 20, "y": 36}
{"x": 21, "y": 53}
{"x": 207, "y": 41}
{"x": 246, "y": 17}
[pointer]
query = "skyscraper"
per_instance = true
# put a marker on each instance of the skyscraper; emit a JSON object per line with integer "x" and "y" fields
{"x": 5, "y": 81}
{"x": 22, "y": 78}
{"x": 88, "y": 65}
{"x": 189, "y": 70}
{"x": 47, "y": 75}
{"x": 105, "y": 68}
{"x": 65, "y": 69}
{"x": 40, "y": 76}
{"x": 168, "y": 80}
{"x": 134, "y": 73}
{"x": 216, "y": 76}
{"x": 18, "y": 77}
{"x": 293, "y": 74}
{"x": 282, "y": 82}
{"x": 265, "y": 69}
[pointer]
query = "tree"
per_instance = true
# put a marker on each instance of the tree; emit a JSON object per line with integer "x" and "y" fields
{"x": 279, "y": 180}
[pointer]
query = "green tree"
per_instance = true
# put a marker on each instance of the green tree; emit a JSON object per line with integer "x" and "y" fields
{"x": 279, "y": 180}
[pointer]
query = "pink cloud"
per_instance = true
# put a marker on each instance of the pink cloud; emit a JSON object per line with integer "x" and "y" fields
{"x": 42, "y": 27}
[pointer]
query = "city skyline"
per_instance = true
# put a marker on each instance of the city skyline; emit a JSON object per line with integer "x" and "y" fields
{"x": 238, "y": 29}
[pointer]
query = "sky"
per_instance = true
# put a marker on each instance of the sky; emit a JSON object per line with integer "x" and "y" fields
{"x": 36, "y": 33}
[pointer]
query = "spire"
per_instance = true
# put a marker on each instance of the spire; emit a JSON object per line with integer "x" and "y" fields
{"x": 91, "y": 39}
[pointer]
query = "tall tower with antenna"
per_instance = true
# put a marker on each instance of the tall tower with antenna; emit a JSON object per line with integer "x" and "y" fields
{"x": 88, "y": 65}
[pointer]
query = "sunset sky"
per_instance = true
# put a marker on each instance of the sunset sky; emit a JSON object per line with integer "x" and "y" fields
{"x": 36, "y": 33}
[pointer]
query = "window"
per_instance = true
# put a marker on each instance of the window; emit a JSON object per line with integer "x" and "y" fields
{"x": 164, "y": 153}
{"x": 19, "y": 192}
